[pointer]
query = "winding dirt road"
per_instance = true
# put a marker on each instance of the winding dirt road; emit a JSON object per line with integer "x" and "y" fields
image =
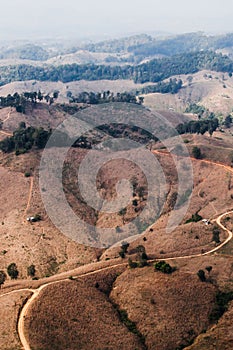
{"x": 37, "y": 291}
{"x": 6, "y": 132}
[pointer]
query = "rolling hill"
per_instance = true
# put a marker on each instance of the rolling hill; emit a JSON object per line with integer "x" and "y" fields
{"x": 117, "y": 278}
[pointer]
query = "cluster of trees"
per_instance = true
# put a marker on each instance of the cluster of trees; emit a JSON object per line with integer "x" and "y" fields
{"x": 24, "y": 139}
{"x": 153, "y": 71}
{"x": 105, "y": 97}
{"x": 13, "y": 273}
{"x": 187, "y": 63}
{"x": 141, "y": 258}
{"x": 18, "y": 101}
{"x": 132, "y": 132}
{"x": 164, "y": 267}
{"x": 195, "y": 218}
{"x": 195, "y": 109}
{"x": 198, "y": 127}
{"x": 172, "y": 86}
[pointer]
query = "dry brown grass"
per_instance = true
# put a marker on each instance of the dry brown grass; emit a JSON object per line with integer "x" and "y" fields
{"x": 39, "y": 115}
{"x": 10, "y": 306}
{"x": 75, "y": 315}
{"x": 40, "y": 243}
{"x": 208, "y": 92}
{"x": 43, "y": 245}
{"x": 211, "y": 196}
{"x": 169, "y": 310}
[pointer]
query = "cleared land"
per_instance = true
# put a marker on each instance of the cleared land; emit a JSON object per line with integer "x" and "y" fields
{"x": 85, "y": 315}
{"x": 9, "y": 311}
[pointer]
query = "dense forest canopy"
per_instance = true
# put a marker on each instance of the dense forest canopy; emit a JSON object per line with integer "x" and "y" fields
{"x": 153, "y": 71}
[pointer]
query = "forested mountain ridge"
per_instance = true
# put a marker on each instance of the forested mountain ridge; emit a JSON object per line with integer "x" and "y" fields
{"x": 188, "y": 42}
{"x": 153, "y": 71}
{"x": 137, "y": 47}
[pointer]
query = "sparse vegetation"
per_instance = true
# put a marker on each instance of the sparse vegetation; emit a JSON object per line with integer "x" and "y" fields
{"x": 201, "y": 275}
{"x": 12, "y": 271}
{"x": 164, "y": 267}
{"x": 2, "y": 278}
{"x": 222, "y": 301}
{"x": 195, "y": 218}
{"x": 124, "y": 249}
{"x": 209, "y": 269}
{"x": 122, "y": 213}
{"x": 142, "y": 295}
{"x": 132, "y": 264}
{"x": 216, "y": 234}
{"x": 31, "y": 270}
{"x": 196, "y": 152}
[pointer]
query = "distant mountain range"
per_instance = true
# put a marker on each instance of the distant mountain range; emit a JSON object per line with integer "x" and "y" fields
{"x": 138, "y": 47}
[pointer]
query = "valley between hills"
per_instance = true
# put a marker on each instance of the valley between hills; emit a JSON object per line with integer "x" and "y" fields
{"x": 140, "y": 286}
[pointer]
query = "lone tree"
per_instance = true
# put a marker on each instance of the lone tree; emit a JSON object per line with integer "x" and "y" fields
{"x": 31, "y": 270}
{"x": 196, "y": 152}
{"x": 201, "y": 275}
{"x": 209, "y": 269}
{"x": 216, "y": 235}
{"x": 2, "y": 278}
{"x": 124, "y": 249}
{"x": 122, "y": 213}
{"x": 13, "y": 271}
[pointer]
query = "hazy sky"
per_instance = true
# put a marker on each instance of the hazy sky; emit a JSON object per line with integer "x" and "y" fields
{"x": 46, "y": 18}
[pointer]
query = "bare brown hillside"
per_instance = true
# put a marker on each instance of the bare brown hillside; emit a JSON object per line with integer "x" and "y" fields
{"x": 83, "y": 314}
{"x": 210, "y": 89}
{"x": 168, "y": 310}
{"x": 10, "y": 307}
{"x": 154, "y": 305}
{"x": 218, "y": 337}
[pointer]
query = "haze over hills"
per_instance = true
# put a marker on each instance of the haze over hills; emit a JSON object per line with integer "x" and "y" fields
{"x": 156, "y": 113}
{"x": 140, "y": 45}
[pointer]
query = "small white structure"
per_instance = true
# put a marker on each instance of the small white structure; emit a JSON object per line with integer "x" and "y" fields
{"x": 205, "y": 221}
{"x": 31, "y": 218}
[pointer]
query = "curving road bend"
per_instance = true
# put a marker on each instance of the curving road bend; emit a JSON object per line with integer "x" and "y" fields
{"x": 36, "y": 292}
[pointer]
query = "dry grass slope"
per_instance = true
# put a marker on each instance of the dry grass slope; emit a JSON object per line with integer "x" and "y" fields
{"x": 75, "y": 315}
